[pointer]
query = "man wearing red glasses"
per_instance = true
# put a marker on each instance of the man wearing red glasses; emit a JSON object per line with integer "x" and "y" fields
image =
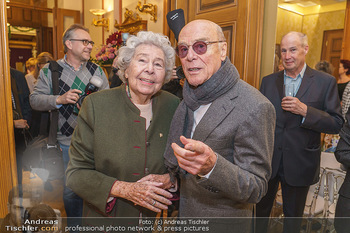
{"x": 221, "y": 138}
{"x": 75, "y": 72}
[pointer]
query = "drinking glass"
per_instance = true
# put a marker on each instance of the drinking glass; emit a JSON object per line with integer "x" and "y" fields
{"x": 288, "y": 89}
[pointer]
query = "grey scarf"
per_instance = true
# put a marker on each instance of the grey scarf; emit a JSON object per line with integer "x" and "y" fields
{"x": 221, "y": 82}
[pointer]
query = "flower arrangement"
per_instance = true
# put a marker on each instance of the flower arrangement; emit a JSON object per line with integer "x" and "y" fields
{"x": 108, "y": 52}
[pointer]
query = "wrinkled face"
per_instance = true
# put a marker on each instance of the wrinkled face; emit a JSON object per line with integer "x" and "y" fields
{"x": 146, "y": 72}
{"x": 77, "y": 48}
{"x": 293, "y": 54}
{"x": 199, "y": 68}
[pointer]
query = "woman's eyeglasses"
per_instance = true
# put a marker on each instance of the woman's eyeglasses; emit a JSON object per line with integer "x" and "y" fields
{"x": 200, "y": 47}
{"x": 85, "y": 42}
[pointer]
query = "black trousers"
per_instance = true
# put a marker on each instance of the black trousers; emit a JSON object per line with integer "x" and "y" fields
{"x": 20, "y": 147}
{"x": 294, "y": 198}
{"x": 342, "y": 215}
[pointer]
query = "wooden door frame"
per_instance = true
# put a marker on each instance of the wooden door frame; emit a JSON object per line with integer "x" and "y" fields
{"x": 8, "y": 169}
{"x": 59, "y": 15}
{"x": 346, "y": 46}
{"x": 325, "y": 48}
{"x": 248, "y": 58}
{"x": 253, "y": 44}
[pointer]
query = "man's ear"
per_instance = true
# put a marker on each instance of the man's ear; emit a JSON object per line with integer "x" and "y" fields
{"x": 223, "y": 51}
{"x": 69, "y": 44}
{"x": 306, "y": 49}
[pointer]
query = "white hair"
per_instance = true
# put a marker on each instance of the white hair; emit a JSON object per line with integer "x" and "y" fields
{"x": 126, "y": 53}
{"x": 302, "y": 37}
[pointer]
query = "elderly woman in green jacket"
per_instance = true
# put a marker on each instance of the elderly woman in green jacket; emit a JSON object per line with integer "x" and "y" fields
{"x": 122, "y": 132}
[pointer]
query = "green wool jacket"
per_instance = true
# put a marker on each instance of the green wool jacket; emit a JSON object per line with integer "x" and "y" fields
{"x": 111, "y": 143}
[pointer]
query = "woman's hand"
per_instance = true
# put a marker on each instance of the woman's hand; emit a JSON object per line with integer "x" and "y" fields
{"x": 164, "y": 179}
{"x": 147, "y": 194}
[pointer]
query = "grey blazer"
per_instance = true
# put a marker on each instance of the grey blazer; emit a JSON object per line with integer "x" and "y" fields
{"x": 239, "y": 127}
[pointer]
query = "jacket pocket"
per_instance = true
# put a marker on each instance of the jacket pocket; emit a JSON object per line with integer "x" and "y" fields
{"x": 313, "y": 148}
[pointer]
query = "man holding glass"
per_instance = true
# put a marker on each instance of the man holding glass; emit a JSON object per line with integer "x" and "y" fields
{"x": 307, "y": 104}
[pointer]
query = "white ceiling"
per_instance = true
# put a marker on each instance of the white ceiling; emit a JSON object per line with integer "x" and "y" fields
{"x": 307, "y": 3}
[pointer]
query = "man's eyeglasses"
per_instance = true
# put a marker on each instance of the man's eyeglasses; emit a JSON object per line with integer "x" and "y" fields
{"x": 85, "y": 42}
{"x": 200, "y": 47}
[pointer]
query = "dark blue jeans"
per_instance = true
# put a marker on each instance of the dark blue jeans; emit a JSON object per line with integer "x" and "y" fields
{"x": 73, "y": 204}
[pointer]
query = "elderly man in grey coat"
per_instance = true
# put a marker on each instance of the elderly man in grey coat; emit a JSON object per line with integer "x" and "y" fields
{"x": 221, "y": 139}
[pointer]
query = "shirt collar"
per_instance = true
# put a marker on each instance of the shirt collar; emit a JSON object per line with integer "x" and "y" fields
{"x": 300, "y": 75}
{"x": 70, "y": 66}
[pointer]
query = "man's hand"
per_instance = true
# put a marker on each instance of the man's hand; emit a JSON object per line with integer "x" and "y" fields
{"x": 196, "y": 157}
{"x": 21, "y": 124}
{"x": 293, "y": 105}
{"x": 70, "y": 97}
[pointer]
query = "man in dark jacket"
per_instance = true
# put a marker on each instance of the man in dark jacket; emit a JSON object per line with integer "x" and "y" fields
{"x": 22, "y": 114}
{"x": 311, "y": 108}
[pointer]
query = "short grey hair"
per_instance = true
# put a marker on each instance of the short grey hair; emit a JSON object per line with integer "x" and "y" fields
{"x": 302, "y": 37}
{"x": 69, "y": 32}
{"x": 127, "y": 52}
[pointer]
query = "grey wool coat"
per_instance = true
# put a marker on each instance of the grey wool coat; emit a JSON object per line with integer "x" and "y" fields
{"x": 111, "y": 143}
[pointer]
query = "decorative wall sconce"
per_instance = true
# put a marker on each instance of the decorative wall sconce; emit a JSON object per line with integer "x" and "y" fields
{"x": 104, "y": 22}
{"x": 132, "y": 23}
{"x": 148, "y": 8}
